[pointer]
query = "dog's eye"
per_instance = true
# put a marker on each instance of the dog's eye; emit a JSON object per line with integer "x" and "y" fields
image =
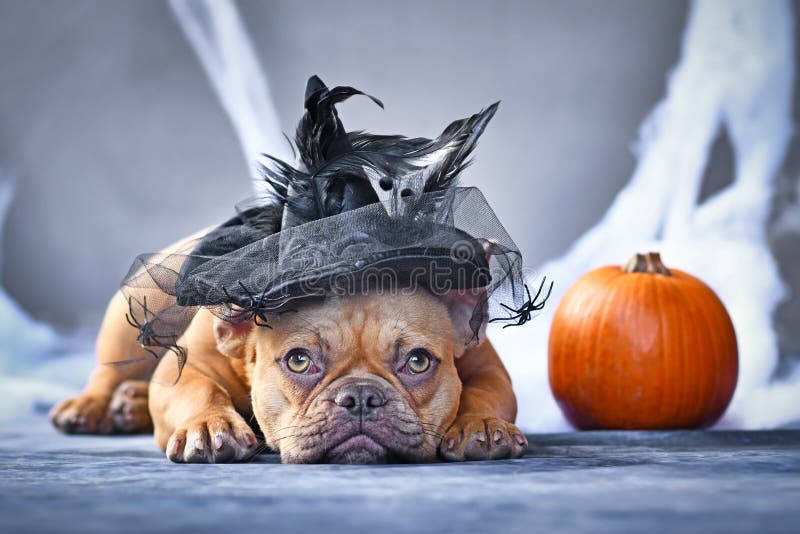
{"x": 418, "y": 361}
{"x": 299, "y": 361}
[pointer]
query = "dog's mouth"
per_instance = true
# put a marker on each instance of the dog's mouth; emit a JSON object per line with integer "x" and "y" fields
{"x": 392, "y": 433}
{"x": 358, "y": 449}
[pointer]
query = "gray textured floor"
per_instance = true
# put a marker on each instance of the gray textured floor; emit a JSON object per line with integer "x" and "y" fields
{"x": 598, "y": 482}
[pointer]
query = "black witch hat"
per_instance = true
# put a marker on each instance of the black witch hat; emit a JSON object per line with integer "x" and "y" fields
{"x": 324, "y": 228}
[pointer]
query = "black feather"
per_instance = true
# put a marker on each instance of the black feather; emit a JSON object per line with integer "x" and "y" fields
{"x": 280, "y": 176}
{"x": 388, "y": 144}
{"x": 321, "y": 138}
{"x": 342, "y": 93}
{"x": 320, "y": 134}
{"x": 341, "y": 170}
{"x": 465, "y": 134}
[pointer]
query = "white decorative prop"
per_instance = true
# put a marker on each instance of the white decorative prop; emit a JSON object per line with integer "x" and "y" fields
{"x": 222, "y": 44}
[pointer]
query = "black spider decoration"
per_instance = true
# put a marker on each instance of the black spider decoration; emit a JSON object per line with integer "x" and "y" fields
{"x": 254, "y": 310}
{"x": 148, "y": 338}
{"x": 523, "y": 314}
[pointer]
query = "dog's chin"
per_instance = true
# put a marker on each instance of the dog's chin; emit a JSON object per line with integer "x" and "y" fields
{"x": 358, "y": 449}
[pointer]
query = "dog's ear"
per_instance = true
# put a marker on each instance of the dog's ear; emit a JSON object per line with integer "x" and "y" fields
{"x": 232, "y": 337}
{"x": 468, "y": 313}
{"x": 469, "y": 308}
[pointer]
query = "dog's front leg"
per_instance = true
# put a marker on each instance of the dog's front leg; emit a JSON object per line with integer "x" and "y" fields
{"x": 484, "y": 428}
{"x": 194, "y": 418}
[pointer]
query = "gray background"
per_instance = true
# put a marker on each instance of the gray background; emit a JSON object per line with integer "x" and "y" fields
{"x": 118, "y": 145}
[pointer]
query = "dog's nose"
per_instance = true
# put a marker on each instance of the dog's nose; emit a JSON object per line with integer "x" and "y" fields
{"x": 360, "y": 399}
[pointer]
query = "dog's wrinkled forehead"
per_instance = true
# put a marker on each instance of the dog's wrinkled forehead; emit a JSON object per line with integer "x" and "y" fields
{"x": 365, "y": 325}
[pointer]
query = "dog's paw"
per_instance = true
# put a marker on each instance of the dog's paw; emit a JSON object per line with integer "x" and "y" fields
{"x": 85, "y": 414}
{"x": 128, "y": 408}
{"x": 482, "y": 438}
{"x": 219, "y": 438}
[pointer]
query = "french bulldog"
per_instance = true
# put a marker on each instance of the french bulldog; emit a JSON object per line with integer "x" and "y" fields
{"x": 376, "y": 377}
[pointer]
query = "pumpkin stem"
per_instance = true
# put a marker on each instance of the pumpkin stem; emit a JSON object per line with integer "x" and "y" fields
{"x": 646, "y": 263}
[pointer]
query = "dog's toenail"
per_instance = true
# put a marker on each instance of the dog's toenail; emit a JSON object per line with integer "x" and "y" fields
{"x": 218, "y": 441}
{"x": 173, "y": 448}
{"x": 451, "y": 443}
{"x": 497, "y": 436}
{"x": 249, "y": 440}
{"x": 519, "y": 439}
{"x": 480, "y": 436}
{"x": 198, "y": 444}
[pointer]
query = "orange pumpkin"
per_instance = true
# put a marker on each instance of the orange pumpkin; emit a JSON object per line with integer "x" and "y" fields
{"x": 642, "y": 347}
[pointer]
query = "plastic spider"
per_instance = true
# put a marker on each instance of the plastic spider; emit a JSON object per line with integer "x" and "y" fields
{"x": 254, "y": 310}
{"x": 148, "y": 338}
{"x": 523, "y": 314}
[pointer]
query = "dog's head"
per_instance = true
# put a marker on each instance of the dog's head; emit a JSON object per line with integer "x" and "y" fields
{"x": 360, "y": 379}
